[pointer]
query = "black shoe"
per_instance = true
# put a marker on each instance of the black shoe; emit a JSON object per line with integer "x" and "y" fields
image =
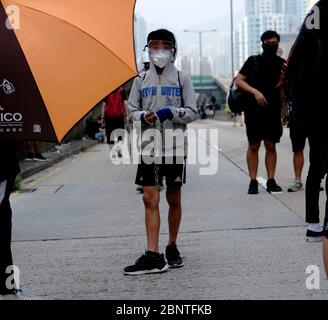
{"x": 29, "y": 157}
{"x": 253, "y": 187}
{"x": 272, "y": 187}
{"x": 39, "y": 158}
{"x": 173, "y": 256}
{"x": 312, "y": 236}
{"x": 148, "y": 263}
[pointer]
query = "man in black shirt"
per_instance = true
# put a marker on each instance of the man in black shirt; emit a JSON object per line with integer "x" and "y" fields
{"x": 9, "y": 169}
{"x": 259, "y": 79}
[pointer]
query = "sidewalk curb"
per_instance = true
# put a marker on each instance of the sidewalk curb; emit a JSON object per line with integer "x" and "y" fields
{"x": 30, "y": 171}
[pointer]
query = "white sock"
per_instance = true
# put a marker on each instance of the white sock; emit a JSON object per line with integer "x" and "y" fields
{"x": 315, "y": 227}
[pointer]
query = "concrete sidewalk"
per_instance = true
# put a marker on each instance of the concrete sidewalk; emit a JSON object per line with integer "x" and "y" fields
{"x": 233, "y": 144}
{"x": 84, "y": 223}
{"x": 55, "y": 155}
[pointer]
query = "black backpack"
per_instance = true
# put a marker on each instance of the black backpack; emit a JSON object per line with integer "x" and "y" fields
{"x": 238, "y": 99}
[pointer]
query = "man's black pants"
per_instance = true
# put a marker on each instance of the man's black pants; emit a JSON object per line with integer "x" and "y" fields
{"x": 5, "y": 236}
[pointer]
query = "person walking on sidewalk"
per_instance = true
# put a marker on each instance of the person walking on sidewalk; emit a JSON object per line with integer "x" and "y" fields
{"x": 162, "y": 98}
{"x": 298, "y": 136}
{"x": 115, "y": 109}
{"x": 259, "y": 79}
{"x": 9, "y": 169}
{"x": 307, "y": 66}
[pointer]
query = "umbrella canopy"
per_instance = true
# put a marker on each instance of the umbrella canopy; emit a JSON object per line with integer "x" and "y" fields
{"x": 58, "y": 59}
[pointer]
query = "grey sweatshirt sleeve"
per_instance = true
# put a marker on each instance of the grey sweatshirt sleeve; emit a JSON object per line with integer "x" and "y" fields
{"x": 189, "y": 112}
{"x": 134, "y": 102}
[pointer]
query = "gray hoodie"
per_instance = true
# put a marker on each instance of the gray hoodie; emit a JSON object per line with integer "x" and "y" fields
{"x": 152, "y": 92}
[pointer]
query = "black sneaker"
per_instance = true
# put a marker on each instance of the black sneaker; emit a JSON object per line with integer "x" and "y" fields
{"x": 29, "y": 157}
{"x": 253, "y": 187}
{"x": 312, "y": 236}
{"x": 147, "y": 264}
{"x": 272, "y": 187}
{"x": 40, "y": 158}
{"x": 173, "y": 256}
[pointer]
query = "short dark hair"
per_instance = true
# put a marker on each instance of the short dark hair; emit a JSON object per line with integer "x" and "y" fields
{"x": 269, "y": 35}
{"x": 162, "y": 34}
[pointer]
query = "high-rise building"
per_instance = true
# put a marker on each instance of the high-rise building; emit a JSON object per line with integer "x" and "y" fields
{"x": 283, "y": 16}
{"x": 207, "y": 65}
{"x": 222, "y": 62}
{"x": 140, "y": 35}
{"x": 185, "y": 64}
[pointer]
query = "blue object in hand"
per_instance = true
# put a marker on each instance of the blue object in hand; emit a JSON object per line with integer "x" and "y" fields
{"x": 165, "y": 114}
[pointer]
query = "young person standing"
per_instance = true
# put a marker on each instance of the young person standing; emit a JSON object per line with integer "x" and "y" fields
{"x": 162, "y": 98}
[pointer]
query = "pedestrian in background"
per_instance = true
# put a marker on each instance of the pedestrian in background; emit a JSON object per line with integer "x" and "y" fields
{"x": 298, "y": 136}
{"x": 100, "y": 134}
{"x": 145, "y": 61}
{"x": 115, "y": 109}
{"x": 259, "y": 77}
{"x": 33, "y": 152}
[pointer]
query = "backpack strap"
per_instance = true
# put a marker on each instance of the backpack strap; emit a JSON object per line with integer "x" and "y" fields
{"x": 144, "y": 76}
{"x": 181, "y": 91}
{"x": 142, "y": 80}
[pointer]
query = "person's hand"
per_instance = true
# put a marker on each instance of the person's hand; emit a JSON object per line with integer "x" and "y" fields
{"x": 260, "y": 98}
{"x": 148, "y": 118}
{"x": 165, "y": 114}
{"x": 151, "y": 117}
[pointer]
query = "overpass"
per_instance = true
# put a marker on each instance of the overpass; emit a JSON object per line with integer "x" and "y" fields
{"x": 211, "y": 86}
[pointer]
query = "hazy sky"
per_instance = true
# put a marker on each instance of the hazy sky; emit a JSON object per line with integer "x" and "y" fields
{"x": 178, "y": 15}
{"x": 182, "y": 14}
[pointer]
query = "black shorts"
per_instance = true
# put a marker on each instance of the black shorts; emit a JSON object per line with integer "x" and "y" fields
{"x": 261, "y": 132}
{"x": 151, "y": 175}
{"x": 262, "y": 126}
{"x": 298, "y": 137}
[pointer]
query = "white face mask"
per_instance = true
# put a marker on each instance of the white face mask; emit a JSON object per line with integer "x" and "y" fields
{"x": 161, "y": 58}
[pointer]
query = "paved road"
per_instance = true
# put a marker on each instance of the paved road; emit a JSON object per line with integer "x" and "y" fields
{"x": 233, "y": 144}
{"x": 84, "y": 223}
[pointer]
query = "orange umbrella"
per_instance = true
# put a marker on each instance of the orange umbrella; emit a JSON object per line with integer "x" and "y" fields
{"x": 58, "y": 59}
